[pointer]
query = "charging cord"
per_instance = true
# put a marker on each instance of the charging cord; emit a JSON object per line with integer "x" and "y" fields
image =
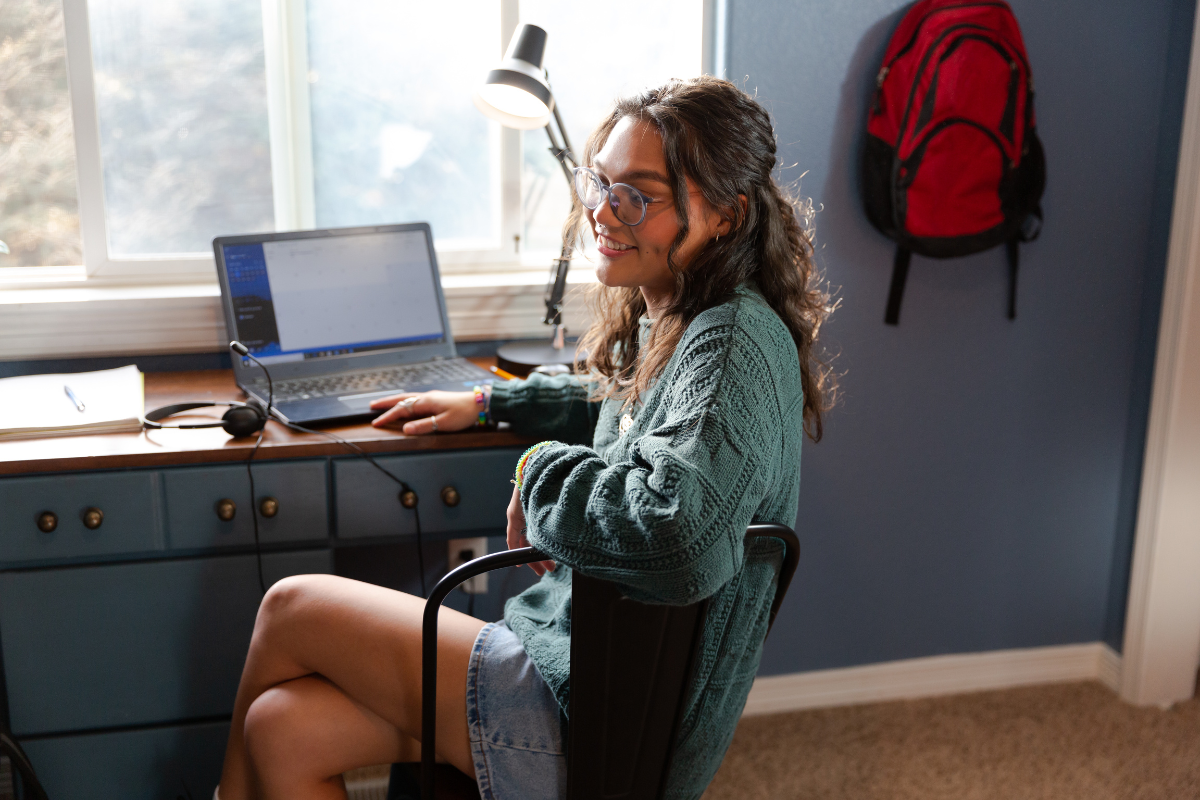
{"x": 243, "y": 351}
{"x": 404, "y": 487}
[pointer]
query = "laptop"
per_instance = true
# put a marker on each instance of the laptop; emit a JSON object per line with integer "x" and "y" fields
{"x": 340, "y": 317}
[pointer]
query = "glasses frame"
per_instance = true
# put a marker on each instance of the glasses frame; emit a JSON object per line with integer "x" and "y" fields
{"x": 607, "y": 190}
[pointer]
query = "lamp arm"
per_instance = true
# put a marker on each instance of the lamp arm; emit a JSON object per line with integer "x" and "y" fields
{"x": 568, "y": 153}
{"x": 562, "y": 152}
{"x": 558, "y": 285}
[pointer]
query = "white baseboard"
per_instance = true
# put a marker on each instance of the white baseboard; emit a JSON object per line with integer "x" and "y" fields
{"x": 934, "y": 676}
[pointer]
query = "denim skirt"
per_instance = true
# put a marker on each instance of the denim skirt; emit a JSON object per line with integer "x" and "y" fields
{"x": 517, "y": 731}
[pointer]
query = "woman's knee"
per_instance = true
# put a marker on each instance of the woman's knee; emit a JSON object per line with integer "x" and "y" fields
{"x": 277, "y": 730}
{"x": 287, "y": 601}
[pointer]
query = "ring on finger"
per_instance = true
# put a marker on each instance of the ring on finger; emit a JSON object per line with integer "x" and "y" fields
{"x": 433, "y": 421}
{"x": 408, "y": 404}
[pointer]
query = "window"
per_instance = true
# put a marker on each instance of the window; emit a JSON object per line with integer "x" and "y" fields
{"x": 181, "y": 100}
{"x": 587, "y": 71}
{"x": 199, "y": 118}
{"x": 395, "y": 134}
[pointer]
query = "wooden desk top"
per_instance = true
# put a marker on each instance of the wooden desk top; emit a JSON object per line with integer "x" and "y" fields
{"x": 212, "y": 445}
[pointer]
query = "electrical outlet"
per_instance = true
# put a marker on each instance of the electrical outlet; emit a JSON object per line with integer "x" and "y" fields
{"x": 462, "y": 551}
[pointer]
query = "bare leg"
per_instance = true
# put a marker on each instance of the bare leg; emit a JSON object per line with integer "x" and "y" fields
{"x": 365, "y": 644}
{"x": 303, "y": 734}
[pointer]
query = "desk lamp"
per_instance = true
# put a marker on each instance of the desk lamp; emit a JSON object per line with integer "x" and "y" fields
{"x": 517, "y": 95}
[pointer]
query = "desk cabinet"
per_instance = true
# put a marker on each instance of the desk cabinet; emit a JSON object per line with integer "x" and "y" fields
{"x": 298, "y": 488}
{"x": 368, "y": 501}
{"x": 129, "y": 501}
{"x": 122, "y": 645}
{"x": 132, "y": 644}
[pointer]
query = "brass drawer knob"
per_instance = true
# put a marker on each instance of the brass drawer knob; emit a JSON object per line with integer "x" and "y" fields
{"x": 226, "y": 508}
{"x": 450, "y": 496}
{"x": 47, "y": 521}
{"x": 92, "y": 518}
{"x": 408, "y": 498}
{"x": 269, "y": 507}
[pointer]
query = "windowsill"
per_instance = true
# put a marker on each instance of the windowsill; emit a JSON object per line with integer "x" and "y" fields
{"x": 59, "y": 313}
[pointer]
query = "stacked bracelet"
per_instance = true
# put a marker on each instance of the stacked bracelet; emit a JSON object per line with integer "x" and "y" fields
{"x": 482, "y": 401}
{"x": 519, "y": 475}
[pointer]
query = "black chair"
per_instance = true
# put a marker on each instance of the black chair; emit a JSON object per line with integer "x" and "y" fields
{"x": 631, "y": 666}
{"x": 26, "y": 782}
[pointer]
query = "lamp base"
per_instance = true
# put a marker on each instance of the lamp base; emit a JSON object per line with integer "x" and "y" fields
{"x": 520, "y": 359}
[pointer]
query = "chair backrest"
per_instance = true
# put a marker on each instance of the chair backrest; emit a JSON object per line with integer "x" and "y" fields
{"x": 22, "y": 770}
{"x": 631, "y": 666}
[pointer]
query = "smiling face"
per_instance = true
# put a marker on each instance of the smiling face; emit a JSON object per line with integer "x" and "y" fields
{"x": 637, "y": 255}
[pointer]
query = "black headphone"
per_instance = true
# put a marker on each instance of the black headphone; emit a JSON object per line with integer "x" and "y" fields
{"x": 242, "y": 419}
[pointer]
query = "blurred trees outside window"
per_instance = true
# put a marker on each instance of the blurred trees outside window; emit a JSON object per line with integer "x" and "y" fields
{"x": 39, "y": 207}
{"x": 181, "y": 96}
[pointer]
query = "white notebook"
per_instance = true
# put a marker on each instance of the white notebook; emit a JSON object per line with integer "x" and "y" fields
{"x": 108, "y": 401}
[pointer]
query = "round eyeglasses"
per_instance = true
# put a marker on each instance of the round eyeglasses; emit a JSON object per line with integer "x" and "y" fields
{"x": 627, "y": 203}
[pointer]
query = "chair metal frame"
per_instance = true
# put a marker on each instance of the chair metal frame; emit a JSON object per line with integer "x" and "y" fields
{"x": 693, "y": 622}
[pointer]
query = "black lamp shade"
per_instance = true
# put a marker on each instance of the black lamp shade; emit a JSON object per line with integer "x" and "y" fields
{"x": 516, "y": 94}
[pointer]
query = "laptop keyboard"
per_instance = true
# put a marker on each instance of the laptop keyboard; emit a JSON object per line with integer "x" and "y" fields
{"x": 392, "y": 379}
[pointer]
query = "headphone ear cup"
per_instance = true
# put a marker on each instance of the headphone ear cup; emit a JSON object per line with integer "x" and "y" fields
{"x": 243, "y": 421}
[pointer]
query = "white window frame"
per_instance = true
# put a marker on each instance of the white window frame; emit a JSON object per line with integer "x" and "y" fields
{"x": 85, "y": 310}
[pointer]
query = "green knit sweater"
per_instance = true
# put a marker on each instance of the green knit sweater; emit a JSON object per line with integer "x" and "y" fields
{"x": 662, "y": 509}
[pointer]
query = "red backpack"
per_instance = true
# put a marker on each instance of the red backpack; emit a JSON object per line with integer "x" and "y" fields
{"x": 952, "y": 164}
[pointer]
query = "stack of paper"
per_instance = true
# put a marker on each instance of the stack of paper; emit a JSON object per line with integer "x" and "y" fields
{"x": 108, "y": 401}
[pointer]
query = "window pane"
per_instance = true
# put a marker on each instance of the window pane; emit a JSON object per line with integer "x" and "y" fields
{"x": 587, "y": 71}
{"x": 182, "y": 99}
{"x": 39, "y": 214}
{"x": 396, "y": 137}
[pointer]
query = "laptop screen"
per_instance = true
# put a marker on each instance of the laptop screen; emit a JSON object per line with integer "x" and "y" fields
{"x": 309, "y": 298}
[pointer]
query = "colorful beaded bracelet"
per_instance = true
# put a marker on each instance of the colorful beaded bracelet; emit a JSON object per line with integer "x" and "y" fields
{"x": 519, "y": 475}
{"x": 481, "y": 401}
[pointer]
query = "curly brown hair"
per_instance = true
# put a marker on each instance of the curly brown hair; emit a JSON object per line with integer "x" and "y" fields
{"x": 721, "y": 138}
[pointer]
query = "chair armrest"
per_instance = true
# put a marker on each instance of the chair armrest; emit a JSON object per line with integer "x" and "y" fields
{"x": 476, "y": 566}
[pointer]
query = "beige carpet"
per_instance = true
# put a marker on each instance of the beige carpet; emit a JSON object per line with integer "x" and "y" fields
{"x": 1066, "y": 742}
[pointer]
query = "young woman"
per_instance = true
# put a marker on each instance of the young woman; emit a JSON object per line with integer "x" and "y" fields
{"x": 701, "y": 380}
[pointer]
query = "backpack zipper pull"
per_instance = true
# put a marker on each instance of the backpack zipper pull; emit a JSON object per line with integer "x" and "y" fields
{"x": 878, "y": 106}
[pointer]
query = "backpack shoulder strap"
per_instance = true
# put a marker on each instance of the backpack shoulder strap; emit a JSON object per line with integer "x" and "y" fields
{"x": 896, "y": 292}
{"x": 1013, "y": 246}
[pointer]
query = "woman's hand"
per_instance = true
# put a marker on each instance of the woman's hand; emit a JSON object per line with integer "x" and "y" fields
{"x": 516, "y": 533}
{"x": 426, "y": 412}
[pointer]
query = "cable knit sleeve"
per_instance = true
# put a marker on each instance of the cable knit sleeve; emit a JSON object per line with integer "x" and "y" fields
{"x": 550, "y": 407}
{"x": 667, "y": 520}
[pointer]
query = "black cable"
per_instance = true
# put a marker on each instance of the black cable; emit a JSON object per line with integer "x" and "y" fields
{"x": 262, "y": 584}
{"x": 242, "y": 350}
{"x": 358, "y": 451}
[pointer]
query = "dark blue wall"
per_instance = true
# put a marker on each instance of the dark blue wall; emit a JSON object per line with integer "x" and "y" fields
{"x": 977, "y": 485}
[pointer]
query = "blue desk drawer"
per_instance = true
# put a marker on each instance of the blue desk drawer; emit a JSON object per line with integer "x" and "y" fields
{"x": 298, "y": 487}
{"x": 155, "y": 764}
{"x": 368, "y": 502}
{"x": 129, "y": 502}
{"x": 132, "y": 644}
